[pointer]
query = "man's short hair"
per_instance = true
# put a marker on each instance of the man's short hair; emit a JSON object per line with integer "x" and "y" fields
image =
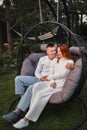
{"x": 51, "y": 45}
{"x": 45, "y": 46}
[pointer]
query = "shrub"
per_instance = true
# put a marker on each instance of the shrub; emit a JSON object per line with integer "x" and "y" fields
{"x": 6, "y": 63}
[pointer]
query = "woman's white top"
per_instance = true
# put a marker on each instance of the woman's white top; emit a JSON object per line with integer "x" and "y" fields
{"x": 58, "y": 71}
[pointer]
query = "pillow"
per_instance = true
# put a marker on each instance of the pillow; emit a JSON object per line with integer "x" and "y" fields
{"x": 30, "y": 63}
{"x": 69, "y": 85}
{"x": 34, "y": 58}
{"x": 27, "y": 68}
{"x": 43, "y": 47}
{"x": 75, "y": 51}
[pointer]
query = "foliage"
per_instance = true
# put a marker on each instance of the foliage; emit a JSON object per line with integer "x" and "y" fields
{"x": 24, "y": 14}
{"x": 6, "y": 63}
{"x": 83, "y": 30}
{"x": 77, "y": 5}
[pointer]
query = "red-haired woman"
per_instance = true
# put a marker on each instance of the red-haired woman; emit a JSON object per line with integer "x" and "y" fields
{"x": 42, "y": 91}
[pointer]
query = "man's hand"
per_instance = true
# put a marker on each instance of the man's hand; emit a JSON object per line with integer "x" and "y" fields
{"x": 43, "y": 78}
{"x": 53, "y": 85}
{"x": 69, "y": 66}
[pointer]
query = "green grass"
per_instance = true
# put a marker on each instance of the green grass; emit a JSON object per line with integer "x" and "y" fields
{"x": 54, "y": 117}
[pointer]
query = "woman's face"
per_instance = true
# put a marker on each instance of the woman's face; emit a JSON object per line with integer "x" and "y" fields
{"x": 60, "y": 55}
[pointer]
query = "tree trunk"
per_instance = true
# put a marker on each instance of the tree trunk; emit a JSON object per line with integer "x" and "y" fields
{"x": 76, "y": 22}
{"x": 81, "y": 23}
{"x": 9, "y": 38}
{"x": 1, "y": 42}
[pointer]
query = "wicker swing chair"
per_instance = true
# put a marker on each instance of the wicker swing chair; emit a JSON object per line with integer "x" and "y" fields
{"x": 46, "y": 32}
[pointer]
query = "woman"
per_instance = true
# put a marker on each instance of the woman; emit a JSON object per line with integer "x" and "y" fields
{"x": 42, "y": 91}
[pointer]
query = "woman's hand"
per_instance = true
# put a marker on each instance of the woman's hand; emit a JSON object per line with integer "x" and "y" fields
{"x": 53, "y": 85}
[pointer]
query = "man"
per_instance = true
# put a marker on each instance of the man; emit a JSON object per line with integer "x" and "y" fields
{"x": 41, "y": 73}
{"x": 26, "y": 81}
{"x": 22, "y": 82}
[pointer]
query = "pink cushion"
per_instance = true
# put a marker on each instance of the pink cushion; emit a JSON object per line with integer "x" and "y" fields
{"x": 75, "y": 50}
{"x": 27, "y": 68}
{"x": 30, "y": 63}
{"x": 34, "y": 58}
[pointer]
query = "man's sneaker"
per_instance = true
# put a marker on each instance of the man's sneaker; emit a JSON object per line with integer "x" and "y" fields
{"x": 11, "y": 116}
{"x": 21, "y": 124}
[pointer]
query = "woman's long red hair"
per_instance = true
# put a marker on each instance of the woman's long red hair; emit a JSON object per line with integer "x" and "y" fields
{"x": 65, "y": 51}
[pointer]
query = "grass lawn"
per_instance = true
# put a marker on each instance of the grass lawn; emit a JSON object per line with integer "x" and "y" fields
{"x": 54, "y": 117}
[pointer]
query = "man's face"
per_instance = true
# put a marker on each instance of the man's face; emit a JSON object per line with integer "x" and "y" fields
{"x": 51, "y": 51}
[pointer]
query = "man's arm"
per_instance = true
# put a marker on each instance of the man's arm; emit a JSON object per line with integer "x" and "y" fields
{"x": 69, "y": 66}
{"x": 38, "y": 69}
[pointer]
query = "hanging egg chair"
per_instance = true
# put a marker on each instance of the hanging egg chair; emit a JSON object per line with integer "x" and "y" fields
{"x": 44, "y": 33}
{"x": 33, "y": 47}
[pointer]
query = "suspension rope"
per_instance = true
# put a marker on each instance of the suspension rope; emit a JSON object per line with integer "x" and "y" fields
{"x": 57, "y": 1}
{"x": 40, "y": 11}
{"x": 58, "y": 11}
